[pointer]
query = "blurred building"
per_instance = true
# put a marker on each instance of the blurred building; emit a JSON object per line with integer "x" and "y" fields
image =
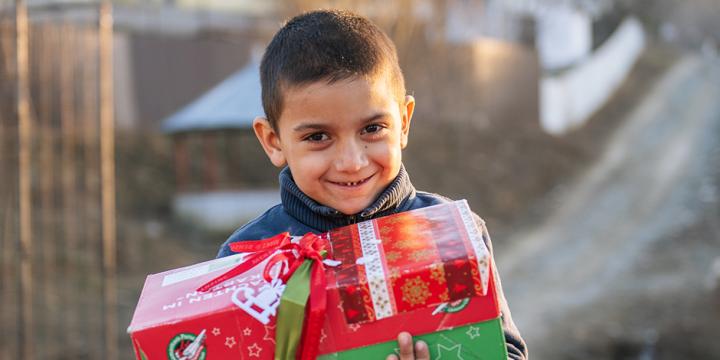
{"x": 215, "y": 120}
{"x": 170, "y": 55}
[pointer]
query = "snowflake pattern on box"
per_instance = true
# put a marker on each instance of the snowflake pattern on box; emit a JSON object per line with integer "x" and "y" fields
{"x": 415, "y": 291}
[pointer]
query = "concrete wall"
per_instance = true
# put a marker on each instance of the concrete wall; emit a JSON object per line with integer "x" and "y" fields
{"x": 567, "y": 100}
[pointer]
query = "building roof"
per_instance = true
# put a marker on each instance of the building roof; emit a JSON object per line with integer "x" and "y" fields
{"x": 232, "y": 104}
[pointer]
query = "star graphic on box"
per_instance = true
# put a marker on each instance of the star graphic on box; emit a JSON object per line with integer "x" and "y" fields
{"x": 230, "y": 341}
{"x": 269, "y": 333}
{"x": 247, "y": 331}
{"x": 473, "y": 332}
{"x": 254, "y": 350}
{"x": 452, "y": 352}
{"x": 323, "y": 335}
{"x": 354, "y": 327}
{"x": 215, "y": 331}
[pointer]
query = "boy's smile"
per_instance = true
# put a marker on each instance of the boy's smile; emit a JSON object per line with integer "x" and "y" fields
{"x": 342, "y": 141}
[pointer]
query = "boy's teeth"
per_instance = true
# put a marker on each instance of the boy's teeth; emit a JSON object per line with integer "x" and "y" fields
{"x": 351, "y": 183}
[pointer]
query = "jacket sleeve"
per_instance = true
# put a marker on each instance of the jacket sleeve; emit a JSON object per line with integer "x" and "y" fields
{"x": 516, "y": 347}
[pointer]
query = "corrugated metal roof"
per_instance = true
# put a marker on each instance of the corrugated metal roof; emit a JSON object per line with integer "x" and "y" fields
{"x": 232, "y": 104}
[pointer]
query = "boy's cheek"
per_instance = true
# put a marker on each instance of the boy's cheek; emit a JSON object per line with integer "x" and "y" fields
{"x": 307, "y": 168}
{"x": 389, "y": 155}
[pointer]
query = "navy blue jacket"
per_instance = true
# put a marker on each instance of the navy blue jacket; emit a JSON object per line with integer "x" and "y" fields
{"x": 299, "y": 214}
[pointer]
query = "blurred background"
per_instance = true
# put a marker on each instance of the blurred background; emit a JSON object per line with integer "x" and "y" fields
{"x": 585, "y": 132}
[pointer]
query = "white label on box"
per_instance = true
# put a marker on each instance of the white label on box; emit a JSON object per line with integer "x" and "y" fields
{"x": 374, "y": 270}
{"x": 202, "y": 269}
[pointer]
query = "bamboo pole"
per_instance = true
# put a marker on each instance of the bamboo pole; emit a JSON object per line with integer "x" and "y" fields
{"x": 90, "y": 195}
{"x": 24, "y": 180}
{"x": 68, "y": 176}
{"x": 5, "y": 220}
{"x": 48, "y": 86}
{"x": 89, "y": 118}
{"x": 44, "y": 215}
{"x": 8, "y": 294}
{"x": 107, "y": 147}
{"x": 4, "y": 151}
{"x": 7, "y": 42}
{"x": 9, "y": 338}
{"x": 46, "y": 144}
{"x": 4, "y": 143}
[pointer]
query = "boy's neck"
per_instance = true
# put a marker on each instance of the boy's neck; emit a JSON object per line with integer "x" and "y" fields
{"x": 324, "y": 218}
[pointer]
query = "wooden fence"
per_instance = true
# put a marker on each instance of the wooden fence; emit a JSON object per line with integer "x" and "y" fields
{"x": 57, "y": 191}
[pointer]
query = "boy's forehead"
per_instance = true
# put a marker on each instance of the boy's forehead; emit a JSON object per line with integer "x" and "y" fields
{"x": 382, "y": 76}
{"x": 358, "y": 97}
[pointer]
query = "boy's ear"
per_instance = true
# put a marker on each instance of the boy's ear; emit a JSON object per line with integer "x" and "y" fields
{"x": 269, "y": 140}
{"x": 406, "y": 118}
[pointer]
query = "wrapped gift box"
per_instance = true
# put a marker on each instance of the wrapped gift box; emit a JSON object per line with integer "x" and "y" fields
{"x": 425, "y": 271}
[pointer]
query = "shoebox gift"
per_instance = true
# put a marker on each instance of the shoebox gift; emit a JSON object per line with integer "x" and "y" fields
{"x": 345, "y": 294}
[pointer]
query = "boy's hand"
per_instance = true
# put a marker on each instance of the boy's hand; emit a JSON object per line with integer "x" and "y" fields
{"x": 420, "y": 351}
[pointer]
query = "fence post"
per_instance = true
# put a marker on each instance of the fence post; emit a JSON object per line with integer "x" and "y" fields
{"x": 107, "y": 151}
{"x": 24, "y": 180}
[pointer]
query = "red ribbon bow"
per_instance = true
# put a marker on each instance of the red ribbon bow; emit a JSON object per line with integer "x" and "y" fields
{"x": 290, "y": 256}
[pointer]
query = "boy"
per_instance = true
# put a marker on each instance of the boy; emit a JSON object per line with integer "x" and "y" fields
{"x": 337, "y": 119}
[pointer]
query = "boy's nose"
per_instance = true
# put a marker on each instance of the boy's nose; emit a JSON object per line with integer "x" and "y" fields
{"x": 350, "y": 157}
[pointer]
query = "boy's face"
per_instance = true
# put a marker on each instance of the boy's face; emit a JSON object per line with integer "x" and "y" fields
{"x": 342, "y": 141}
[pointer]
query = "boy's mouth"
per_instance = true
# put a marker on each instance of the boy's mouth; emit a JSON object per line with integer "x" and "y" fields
{"x": 352, "y": 183}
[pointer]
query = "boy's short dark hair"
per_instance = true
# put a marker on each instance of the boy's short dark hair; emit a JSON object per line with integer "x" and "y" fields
{"x": 330, "y": 45}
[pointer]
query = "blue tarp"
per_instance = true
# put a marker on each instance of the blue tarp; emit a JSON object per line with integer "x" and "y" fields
{"x": 232, "y": 104}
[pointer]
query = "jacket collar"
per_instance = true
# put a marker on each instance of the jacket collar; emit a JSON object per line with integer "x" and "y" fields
{"x": 324, "y": 218}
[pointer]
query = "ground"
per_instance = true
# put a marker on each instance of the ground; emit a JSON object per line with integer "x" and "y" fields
{"x": 620, "y": 263}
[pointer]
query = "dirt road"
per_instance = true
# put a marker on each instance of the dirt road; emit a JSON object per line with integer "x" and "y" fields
{"x": 621, "y": 265}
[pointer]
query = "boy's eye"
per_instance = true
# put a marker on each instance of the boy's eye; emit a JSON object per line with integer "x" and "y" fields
{"x": 372, "y": 128}
{"x": 317, "y": 137}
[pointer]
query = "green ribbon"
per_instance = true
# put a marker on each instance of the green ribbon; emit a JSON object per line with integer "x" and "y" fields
{"x": 291, "y": 312}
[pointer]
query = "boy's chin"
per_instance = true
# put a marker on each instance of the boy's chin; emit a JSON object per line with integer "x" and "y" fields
{"x": 351, "y": 209}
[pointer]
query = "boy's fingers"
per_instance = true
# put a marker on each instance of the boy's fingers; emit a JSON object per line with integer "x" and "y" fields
{"x": 391, "y": 357}
{"x": 421, "y": 351}
{"x": 406, "y": 346}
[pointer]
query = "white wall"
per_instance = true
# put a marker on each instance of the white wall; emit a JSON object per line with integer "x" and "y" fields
{"x": 567, "y": 100}
{"x": 564, "y": 37}
{"x": 224, "y": 210}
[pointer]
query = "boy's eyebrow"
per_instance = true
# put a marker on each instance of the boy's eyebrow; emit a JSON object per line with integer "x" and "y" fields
{"x": 376, "y": 116}
{"x": 318, "y": 126}
{"x": 311, "y": 126}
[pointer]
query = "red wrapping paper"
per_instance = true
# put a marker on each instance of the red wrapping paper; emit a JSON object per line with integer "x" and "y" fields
{"x": 395, "y": 275}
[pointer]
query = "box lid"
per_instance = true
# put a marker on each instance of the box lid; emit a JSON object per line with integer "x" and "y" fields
{"x": 407, "y": 261}
{"x": 170, "y": 296}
